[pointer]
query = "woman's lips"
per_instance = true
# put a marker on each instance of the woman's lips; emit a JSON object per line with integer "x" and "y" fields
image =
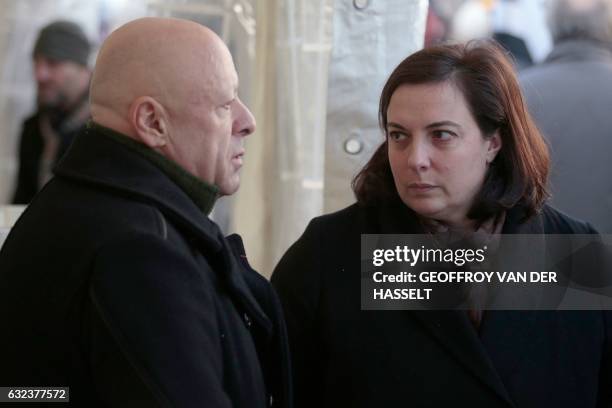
{"x": 421, "y": 187}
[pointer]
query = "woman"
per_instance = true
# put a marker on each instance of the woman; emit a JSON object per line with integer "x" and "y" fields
{"x": 461, "y": 154}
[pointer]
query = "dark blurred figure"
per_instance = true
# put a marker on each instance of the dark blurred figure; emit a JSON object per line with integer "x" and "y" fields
{"x": 517, "y": 48}
{"x": 570, "y": 97}
{"x": 62, "y": 78}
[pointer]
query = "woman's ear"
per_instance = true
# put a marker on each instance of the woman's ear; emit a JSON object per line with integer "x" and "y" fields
{"x": 494, "y": 146}
{"x": 150, "y": 122}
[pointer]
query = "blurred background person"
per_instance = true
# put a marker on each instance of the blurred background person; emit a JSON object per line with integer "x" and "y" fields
{"x": 570, "y": 97}
{"x": 436, "y": 27}
{"x": 460, "y": 157}
{"x": 60, "y": 58}
{"x": 518, "y": 25}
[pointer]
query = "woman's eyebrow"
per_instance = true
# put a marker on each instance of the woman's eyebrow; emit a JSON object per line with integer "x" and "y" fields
{"x": 431, "y": 125}
{"x": 443, "y": 123}
{"x": 395, "y": 125}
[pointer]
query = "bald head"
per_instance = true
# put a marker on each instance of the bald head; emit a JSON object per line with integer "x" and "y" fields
{"x": 171, "y": 85}
{"x": 173, "y": 61}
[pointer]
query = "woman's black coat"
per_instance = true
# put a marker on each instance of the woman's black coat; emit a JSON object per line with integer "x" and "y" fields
{"x": 345, "y": 357}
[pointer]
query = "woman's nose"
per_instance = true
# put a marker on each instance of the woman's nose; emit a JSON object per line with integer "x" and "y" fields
{"x": 418, "y": 156}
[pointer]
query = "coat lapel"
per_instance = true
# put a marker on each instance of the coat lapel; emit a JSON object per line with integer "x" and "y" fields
{"x": 484, "y": 356}
{"x": 250, "y": 288}
{"x": 509, "y": 335}
{"x": 454, "y": 332}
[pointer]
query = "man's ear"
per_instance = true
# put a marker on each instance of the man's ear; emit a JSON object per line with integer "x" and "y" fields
{"x": 150, "y": 121}
{"x": 495, "y": 145}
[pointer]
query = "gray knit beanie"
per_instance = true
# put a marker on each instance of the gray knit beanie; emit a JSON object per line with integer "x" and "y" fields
{"x": 63, "y": 40}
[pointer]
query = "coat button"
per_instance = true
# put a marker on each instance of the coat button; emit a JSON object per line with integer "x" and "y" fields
{"x": 247, "y": 320}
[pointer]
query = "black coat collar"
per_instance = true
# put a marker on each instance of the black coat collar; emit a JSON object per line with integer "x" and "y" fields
{"x": 101, "y": 162}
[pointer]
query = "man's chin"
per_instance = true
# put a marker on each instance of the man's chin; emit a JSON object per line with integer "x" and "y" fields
{"x": 47, "y": 105}
{"x": 227, "y": 189}
{"x": 49, "y": 102}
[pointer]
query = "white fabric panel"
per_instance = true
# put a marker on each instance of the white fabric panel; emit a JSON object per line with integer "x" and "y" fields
{"x": 369, "y": 42}
{"x": 282, "y": 180}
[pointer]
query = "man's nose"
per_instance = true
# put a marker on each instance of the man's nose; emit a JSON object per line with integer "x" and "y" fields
{"x": 418, "y": 155}
{"x": 244, "y": 122}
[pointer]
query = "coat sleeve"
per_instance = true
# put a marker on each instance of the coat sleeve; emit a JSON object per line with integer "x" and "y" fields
{"x": 297, "y": 281}
{"x": 154, "y": 336}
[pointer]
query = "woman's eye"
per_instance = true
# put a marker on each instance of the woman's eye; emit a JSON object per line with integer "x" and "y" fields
{"x": 443, "y": 135}
{"x": 397, "y": 136}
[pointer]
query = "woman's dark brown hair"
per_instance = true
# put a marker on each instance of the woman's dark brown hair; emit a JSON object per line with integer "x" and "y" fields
{"x": 481, "y": 70}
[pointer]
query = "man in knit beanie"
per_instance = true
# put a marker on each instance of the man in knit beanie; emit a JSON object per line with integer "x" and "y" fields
{"x": 60, "y": 56}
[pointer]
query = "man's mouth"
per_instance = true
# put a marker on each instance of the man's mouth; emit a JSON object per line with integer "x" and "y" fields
{"x": 237, "y": 159}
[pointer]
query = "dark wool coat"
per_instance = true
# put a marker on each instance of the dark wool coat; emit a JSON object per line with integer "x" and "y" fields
{"x": 345, "y": 357}
{"x": 115, "y": 284}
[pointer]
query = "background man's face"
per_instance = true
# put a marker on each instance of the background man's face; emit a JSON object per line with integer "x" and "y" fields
{"x": 56, "y": 81}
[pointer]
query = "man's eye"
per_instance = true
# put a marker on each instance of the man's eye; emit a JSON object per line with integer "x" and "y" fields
{"x": 229, "y": 104}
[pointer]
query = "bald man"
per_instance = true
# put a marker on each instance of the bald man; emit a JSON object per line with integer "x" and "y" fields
{"x": 115, "y": 282}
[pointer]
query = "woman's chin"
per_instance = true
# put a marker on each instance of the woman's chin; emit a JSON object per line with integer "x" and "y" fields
{"x": 424, "y": 207}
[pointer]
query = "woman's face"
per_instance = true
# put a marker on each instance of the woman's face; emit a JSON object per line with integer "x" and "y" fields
{"x": 437, "y": 153}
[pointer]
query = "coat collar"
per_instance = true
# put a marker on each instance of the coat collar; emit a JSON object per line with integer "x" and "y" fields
{"x": 101, "y": 162}
{"x": 452, "y": 329}
{"x": 202, "y": 193}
